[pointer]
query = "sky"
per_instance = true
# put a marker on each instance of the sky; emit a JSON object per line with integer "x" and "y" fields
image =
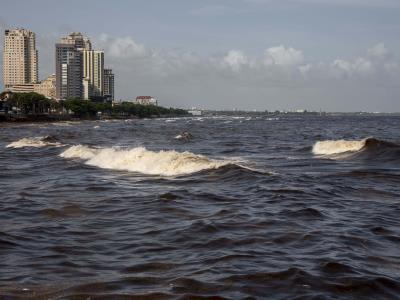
{"x": 331, "y": 55}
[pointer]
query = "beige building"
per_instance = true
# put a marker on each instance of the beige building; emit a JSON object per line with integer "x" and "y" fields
{"x": 22, "y": 88}
{"x": 46, "y": 87}
{"x": 20, "y": 58}
{"x": 93, "y": 73}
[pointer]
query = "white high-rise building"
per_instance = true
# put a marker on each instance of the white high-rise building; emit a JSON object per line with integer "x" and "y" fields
{"x": 20, "y": 58}
{"x": 93, "y": 72}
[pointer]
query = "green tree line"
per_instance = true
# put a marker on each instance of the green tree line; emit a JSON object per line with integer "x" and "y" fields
{"x": 29, "y": 103}
{"x": 34, "y": 103}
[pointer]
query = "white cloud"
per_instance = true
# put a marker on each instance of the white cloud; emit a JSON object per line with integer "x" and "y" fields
{"x": 182, "y": 76}
{"x": 271, "y": 80}
{"x": 379, "y": 51}
{"x": 305, "y": 69}
{"x": 283, "y": 56}
{"x": 235, "y": 59}
{"x": 122, "y": 47}
{"x": 359, "y": 67}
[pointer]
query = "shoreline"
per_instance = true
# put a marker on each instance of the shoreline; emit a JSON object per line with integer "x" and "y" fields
{"x": 63, "y": 118}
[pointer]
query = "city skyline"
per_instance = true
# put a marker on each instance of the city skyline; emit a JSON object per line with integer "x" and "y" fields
{"x": 79, "y": 69}
{"x": 260, "y": 51}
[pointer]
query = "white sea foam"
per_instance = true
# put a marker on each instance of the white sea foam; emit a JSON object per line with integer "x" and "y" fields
{"x": 166, "y": 163}
{"x": 338, "y": 146}
{"x": 36, "y": 142}
{"x": 66, "y": 123}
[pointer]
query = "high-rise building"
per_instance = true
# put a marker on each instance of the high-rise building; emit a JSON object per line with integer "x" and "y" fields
{"x": 68, "y": 71}
{"x": 20, "y": 58}
{"x": 69, "y": 65}
{"x": 78, "y": 40}
{"x": 108, "y": 88}
{"x": 93, "y": 72}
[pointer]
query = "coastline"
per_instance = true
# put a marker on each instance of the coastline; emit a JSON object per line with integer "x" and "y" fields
{"x": 62, "y": 118}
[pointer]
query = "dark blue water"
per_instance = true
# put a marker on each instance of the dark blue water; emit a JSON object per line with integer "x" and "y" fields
{"x": 243, "y": 210}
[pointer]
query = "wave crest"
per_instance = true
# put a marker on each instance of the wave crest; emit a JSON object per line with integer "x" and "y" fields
{"x": 36, "y": 142}
{"x": 332, "y": 147}
{"x": 337, "y": 146}
{"x": 167, "y": 163}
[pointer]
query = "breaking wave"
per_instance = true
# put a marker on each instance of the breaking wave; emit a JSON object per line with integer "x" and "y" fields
{"x": 36, "y": 142}
{"x": 368, "y": 145}
{"x": 166, "y": 163}
{"x": 337, "y": 147}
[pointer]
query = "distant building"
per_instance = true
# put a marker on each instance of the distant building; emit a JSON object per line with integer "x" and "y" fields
{"x": 69, "y": 65}
{"x": 46, "y": 87}
{"x": 93, "y": 71}
{"x": 146, "y": 100}
{"x": 68, "y": 71}
{"x": 20, "y": 58}
{"x": 22, "y": 88}
{"x": 108, "y": 88}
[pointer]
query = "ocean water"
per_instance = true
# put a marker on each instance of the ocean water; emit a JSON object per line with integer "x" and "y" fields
{"x": 289, "y": 207}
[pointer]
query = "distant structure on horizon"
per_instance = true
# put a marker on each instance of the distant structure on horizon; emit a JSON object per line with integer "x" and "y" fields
{"x": 146, "y": 100}
{"x": 20, "y": 58}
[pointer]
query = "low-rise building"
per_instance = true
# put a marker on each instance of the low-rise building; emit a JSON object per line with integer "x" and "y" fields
{"x": 146, "y": 100}
{"x": 46, "y": 87}
{"x": 22, "y": 88}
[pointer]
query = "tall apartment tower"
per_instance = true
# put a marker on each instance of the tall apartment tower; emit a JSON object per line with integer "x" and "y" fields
{"x": 108, "y": 88}
{"x": 20, "y": 58}
{"x": 93, "y": 73}
{"x": 69, "y": 65}
{"x": 78, "y": 40}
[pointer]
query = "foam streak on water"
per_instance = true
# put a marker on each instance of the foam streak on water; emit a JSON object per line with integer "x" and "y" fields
{"x": 36, "y": 142}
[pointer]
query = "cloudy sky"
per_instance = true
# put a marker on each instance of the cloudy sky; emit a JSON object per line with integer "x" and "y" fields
{"x": 335, "y": 55}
